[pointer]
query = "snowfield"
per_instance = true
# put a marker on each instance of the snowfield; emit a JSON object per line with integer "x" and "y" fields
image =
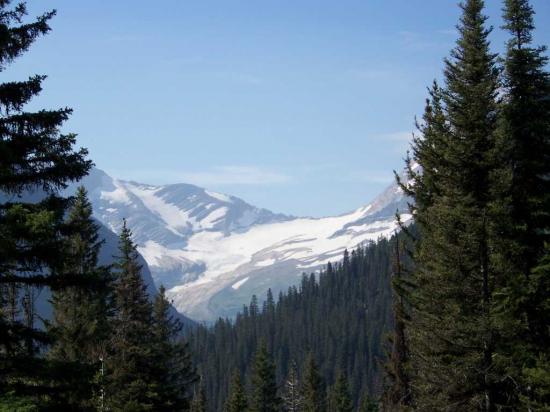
{"x": 213, "y": 251}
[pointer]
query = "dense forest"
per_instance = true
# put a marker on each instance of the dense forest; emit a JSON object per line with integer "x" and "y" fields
{"x": 470, "y": 327}
{"x": 451, "y": 314}
{"x": 339, "y": 318}
{"x": 474, "y": 320}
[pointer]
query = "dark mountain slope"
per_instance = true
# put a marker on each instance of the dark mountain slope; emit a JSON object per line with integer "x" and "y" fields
{"x": 342, "y": 316}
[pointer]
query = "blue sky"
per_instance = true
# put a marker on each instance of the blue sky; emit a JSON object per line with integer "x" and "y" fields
{"x": 303, "y": 107}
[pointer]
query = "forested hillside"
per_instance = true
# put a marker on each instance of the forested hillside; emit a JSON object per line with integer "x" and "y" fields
{"x": 451, "y": 313}
{"x": 340, "y": 317}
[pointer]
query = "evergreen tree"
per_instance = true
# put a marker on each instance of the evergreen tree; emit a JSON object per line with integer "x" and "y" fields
{"x": 340, "y": 399}
{"x": 369, "y": 405}
{"x": 80, "y": 316}
{"x": 253, "y": 308}
{"x": 34, "y": 156}
{"x": 522, "y": 205}
{"x": 535, "y": 374}
{"x": 341, "y": 315}
{"x": 454, "y": 334}
{"x": 292, "y": 398}
{"x": 264, "y": 396}
{"x": 313, "y": 387}
{"x": 397, "y": 392}
{"x": 10, "y": 403}
{"x": 237, "y": 401}
{"x": 199, "y": 402}
{"x": 173, "y": 370}
{"x": 269, "y": 304}
{"x": 130, "y": 363}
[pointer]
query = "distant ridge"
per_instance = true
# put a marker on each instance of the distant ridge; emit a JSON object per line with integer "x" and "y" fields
{"x": 214, "y": 251}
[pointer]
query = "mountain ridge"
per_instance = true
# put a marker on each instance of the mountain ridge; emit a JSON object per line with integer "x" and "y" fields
{"x": 214, "y": 251}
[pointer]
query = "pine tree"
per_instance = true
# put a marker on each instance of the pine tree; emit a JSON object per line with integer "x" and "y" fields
{"x": 370, "y": 405}
{"x": 80, "y": 316}
{"x": 341, "y": 315}
{"x": 397, "y": 392}
{"x": 522, "y": 205}
{"x": 264, "y": 396}
{"x": 269, "y": 304}
{"x": 454, "y": 336}
{"x": 340, "y": 399}
{"x": 129, "y": 365}
{"x": 199, "y": 402}
{"x": 34, "y": 156}
{"x": 292, "y": 398}
{"x": 173, "y": 371}
{"x": 253, "y": 308}
{"x": 313, "y": 387}
{"x": 535, "y": 374}
{"x": 237, "y": 401}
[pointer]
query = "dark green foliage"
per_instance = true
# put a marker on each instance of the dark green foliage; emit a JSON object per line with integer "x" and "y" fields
{"x": 130, "y": 369}
{"x": 264, "y": 385}
{"x": 469, "y": 329}
{"x": 535, "y": 373}
{"x": 453, "y": 336}
{"x": 339, "y": 397}
{"x": 341, "y": 316}
{"x": 482, "y": 210}
{"x": 148, "y": 366}
{"x": 292, "y": 397}
{"x": 313, "y": 388}
{"x": 33, "y": 156}
{"x": 237, "y": 400}
{"x": 173, "y": 371}
{"x": 369, "y": 405}
{"x": 13, "y": 403}
{"x": 522, "y": 207}
{"x": 397, "y": 394}
{"x": 80, "y": 315}
{"x": 199, "y": 402}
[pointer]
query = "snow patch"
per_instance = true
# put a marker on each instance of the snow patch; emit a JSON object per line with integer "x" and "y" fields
{"x": 210, "y": 220}
{"x": 220, "y": 196}
{"x": 179, "y": 237}
{"x": 264, "y": 263}
{"x": 119, "y": 195}
{"x": 173, "y": 217}
{"x": 301, "y": 239}
{"x": 154, "y": 253}
{"x": 238, "y": 284}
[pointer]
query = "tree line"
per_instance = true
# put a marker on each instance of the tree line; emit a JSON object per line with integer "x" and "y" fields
{"x": 471, "y": 279}
{"x": 336, "y": 320}
{"x": 465, "y": 292}
{"x": 304, "y": 391}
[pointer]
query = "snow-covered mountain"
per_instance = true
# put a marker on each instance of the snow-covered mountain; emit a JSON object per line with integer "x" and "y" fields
{"x": 213, "y": 252}
{"x": 108, "y": 250}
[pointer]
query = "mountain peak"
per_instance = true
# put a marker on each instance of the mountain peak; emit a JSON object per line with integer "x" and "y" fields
{"x": 213, "y": 251}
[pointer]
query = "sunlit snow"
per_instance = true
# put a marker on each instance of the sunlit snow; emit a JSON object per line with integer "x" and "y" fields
{"x": 238, "y": 284}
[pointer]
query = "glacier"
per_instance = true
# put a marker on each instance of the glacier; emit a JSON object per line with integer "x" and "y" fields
{"x": 213, "y": 251}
